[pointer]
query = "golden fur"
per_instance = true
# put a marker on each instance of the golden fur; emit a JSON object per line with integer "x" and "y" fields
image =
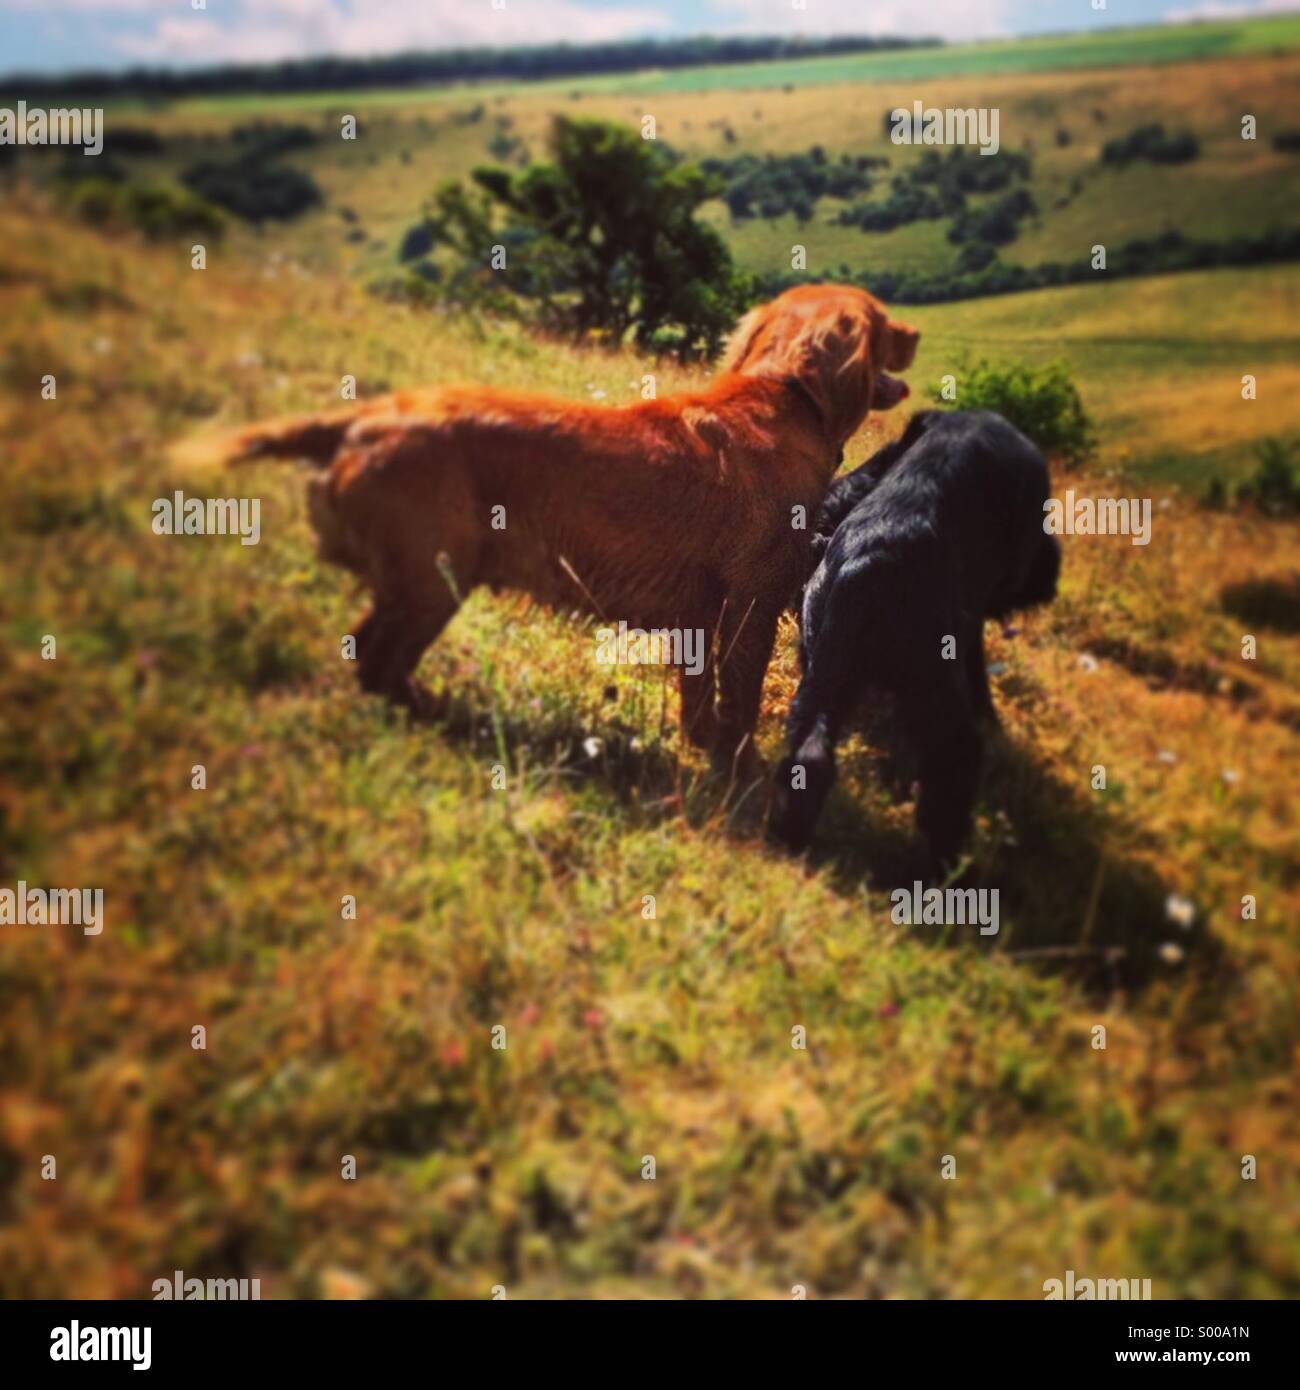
{"x": 671, "y": 513}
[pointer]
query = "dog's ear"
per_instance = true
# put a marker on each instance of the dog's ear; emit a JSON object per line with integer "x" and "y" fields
{"x": 900, "y": 350}
{"x": 834, "y": 360}
{"x": 742, "y": 339}
{"x": 917, "y": 426}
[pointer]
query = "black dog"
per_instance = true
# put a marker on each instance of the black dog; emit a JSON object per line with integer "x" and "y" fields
{"x": 931, "y": 536}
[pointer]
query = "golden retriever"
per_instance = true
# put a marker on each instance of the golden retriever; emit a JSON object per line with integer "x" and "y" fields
{"x": 694, "y": 511}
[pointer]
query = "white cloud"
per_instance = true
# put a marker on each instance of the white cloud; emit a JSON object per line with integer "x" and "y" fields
{"x": 944, "y": 19}
{"x": 55, "y": 7}
{"x": 1218, "y": 9}
{"x": 268, "y": 30}
{"x": 253, "y": 31}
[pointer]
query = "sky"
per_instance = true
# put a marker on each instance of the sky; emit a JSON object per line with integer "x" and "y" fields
{"x": 54, "y": 35}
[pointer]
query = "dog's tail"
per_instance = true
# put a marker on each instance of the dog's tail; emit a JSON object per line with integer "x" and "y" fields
{"x": 312, "y": 438}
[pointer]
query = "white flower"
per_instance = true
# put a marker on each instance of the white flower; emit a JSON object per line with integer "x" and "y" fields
{"x": 1181, "y": 911}
{"x": 1165, "y": 756}
{"x": 1087, "y": 662}
{"x": 591, "y": 747}
{"x": 1230, "y": 775}
{"x": 598, "y": 395}
{"x": 1171, "y": 953}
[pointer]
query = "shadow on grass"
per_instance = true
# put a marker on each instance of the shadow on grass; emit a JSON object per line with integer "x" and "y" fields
{"x": 1267, "y": 603}
{"x": 645, "y": 774}
{"x": 1068, "y": 902}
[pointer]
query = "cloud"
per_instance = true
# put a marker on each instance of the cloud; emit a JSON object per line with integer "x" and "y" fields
{"x": 169, "y": 32}
{"x": 944, "y": 19}
{"x": 1219, "y": 9}
{"x": 58, "y": 7}
{"x": 270, "y": 30}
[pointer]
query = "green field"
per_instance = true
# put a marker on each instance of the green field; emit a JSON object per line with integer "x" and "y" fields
{"x": 1159, "y": 361}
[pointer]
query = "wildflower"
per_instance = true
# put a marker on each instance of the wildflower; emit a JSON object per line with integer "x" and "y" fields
{"x": 1181, "y": 911}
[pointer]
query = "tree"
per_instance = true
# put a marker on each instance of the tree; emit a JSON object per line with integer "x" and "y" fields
{"x": 603, "y": 240}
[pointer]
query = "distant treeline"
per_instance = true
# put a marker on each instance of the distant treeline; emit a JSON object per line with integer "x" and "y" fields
{"x": 1159, "y": 255}
{"x": 327, "y": 74}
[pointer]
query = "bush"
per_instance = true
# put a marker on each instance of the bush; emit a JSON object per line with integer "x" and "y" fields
{"x": 938, "y": 185}
{"x": 997, "y": 222}
{"x": 1150, "y": 142}
{"x": 602, "y": 242}
{"x": 417, "y": 242}
{"x": 1274, "y": 487}
{"x": 771, "y": 185}
{"x": 975, "y": 255}
{"x": 965, "y": 172}
{"x": 266, "y": 139}
{"x": 132, "y": 140}
{"x": 905, "y": 204}
{"x": 1041, "y": 401}
{"x": 157, "y": 209}
{"x": 252, "y": 189}
{"x": 1216, "y": 495}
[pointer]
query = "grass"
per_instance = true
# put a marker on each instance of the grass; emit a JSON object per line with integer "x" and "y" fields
{"x": 627, "y": 1036}
{"x": 1159, "y": 361}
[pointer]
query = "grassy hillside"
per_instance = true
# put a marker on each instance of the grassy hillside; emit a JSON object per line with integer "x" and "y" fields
{"x": 626, "y": 1037}
{"x": 376, "y": 186}
{"x": 1159, "y": 361}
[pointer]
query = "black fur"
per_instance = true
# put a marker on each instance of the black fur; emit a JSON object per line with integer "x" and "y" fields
{"x": 931, "y": 536}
